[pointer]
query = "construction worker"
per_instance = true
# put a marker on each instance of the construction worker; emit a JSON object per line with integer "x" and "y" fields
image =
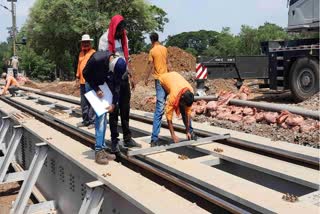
{"x": 158, "y": 62}
{"x": 103, "y": 67}
{"x": 15, "y": 66}
{"x": 11, "y": 85}
{"x": 180, "y": 99}
{"x": 115, "y": 40}
{"x": 88, "y": 115}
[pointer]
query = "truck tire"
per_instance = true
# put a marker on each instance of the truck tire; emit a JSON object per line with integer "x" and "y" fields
{"x": 304, "y": 78}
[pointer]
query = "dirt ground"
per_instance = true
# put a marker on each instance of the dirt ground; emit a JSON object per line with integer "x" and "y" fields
{"x": 143, "y": 98}
{"x": 8, "y": 193}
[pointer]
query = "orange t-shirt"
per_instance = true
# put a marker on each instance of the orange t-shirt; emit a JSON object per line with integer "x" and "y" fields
{"x": 173, "y": 83}
{"x": 83, "y": 59}
{"x": 158, "y": 55}
{"x": 10, "y": 81}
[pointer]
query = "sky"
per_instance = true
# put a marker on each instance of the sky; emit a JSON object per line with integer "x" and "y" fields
{"x": 188, "y": 15}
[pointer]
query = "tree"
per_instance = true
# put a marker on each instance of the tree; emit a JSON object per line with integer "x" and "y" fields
{"x": 226, "y": 44}
{"x": 5, "y": 53}
{"x": 196, "y": 42}
{"x": 55, "y": 27}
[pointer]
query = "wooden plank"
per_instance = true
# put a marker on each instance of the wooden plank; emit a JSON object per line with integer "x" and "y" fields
{"x": 200, "y": 141}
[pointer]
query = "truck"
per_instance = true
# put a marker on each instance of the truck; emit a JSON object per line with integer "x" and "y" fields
{"x": 283, "y": 65}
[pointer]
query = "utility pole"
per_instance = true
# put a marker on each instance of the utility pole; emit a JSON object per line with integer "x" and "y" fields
{"x": 14, "y": 28}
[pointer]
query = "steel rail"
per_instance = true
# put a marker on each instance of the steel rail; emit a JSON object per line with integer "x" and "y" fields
{"x": 312, "y": 163}
{"x": 89, "y": 140}
{"x": 306, "y": 161}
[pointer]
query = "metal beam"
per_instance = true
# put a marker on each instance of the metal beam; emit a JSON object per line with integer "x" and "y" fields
{"x": 94, "y": 198}
{"x": 3, "y": 131}
{"x": 15, "y": 176}
{"x": 200, "y": 141}
{"x": 33, "y": 173}
{"x": 9, "y": 155}
{"x": 43, "y": 207}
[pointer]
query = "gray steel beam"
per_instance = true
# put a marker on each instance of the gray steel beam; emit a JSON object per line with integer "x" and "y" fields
{"x": 14, "y": 177}
{"x": 93, "y": 200}
{"x": 33, "y": 173}
{"x": 200, "y": 141}
{"x": 43, "y": 207}
{"x": 9, "y": 155}
{"x": 3, "y": 131}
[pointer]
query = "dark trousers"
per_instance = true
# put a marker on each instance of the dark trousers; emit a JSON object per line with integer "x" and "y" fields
{"x": 12, "y": 90}
{"x": 88, "y": 115}
{"x": 15, "y": 73}
{"x": 124, "y": 108}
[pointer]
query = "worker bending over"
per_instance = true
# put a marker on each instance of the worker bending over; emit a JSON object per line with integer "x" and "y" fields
{"x": 104, "y": 67}
{"x": 116, "y": 42}
{"x": 11, "y": 85}
{"x": 180, "y": 99}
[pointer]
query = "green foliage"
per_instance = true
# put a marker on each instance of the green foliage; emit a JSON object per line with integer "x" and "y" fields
{"x": 224, "y": 43}
{"x": 5, "y": 53}
{"x": 250, "y": 38}
{"x": 54, "y": 28}
{"x": 36, "y": 66}
{"x": 196, "y": 42}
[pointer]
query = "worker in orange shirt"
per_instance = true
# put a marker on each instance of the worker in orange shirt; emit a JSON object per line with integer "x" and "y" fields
{"x": 158, "y": 65}
{"x": 11, "y": 85}
{"x": 88, "y": 115}
{"x": 180, "y": 99}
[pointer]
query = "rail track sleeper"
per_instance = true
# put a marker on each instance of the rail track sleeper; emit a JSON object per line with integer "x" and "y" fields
{"x": 201, "y": 141}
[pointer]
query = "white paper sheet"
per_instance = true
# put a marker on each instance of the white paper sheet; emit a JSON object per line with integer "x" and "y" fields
{"x": 100, "y": 105}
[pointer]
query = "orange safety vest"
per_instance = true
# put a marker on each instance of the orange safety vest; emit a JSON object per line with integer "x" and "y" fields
{"x": 83, "y": 59}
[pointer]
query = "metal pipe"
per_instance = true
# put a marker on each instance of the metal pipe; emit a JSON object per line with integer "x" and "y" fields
{"x": 206, "y": 98}
{"x": 267, "y": 106}
{"x": 277, "y": 107}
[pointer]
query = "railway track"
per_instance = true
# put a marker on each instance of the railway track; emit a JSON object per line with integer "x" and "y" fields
{"x": 183, "y": 184}
{"x": 241, "y": 143}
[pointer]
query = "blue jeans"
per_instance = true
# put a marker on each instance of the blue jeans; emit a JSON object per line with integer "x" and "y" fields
{"x": 159, "y": 111}
{"x": 100, "y": 128}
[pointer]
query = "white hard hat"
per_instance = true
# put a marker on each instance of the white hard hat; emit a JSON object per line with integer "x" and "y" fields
{"x": 85, "y": 38}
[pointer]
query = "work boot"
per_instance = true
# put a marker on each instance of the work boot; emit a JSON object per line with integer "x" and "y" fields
{"x": 131, "y": 144}
{"x": 101, "y": 158}
{"x": 109, "y": 156}
{"x": 81, "y": 124}
{"x": 115, "y": 148}
{"x": 91, "y": 126}
{"x": 154, "y": 143}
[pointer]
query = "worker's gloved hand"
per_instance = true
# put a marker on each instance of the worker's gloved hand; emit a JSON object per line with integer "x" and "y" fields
{"x": 100, "y": 94}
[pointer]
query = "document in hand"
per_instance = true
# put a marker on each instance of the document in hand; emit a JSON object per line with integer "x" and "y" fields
{"x": 100, "y": 105}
